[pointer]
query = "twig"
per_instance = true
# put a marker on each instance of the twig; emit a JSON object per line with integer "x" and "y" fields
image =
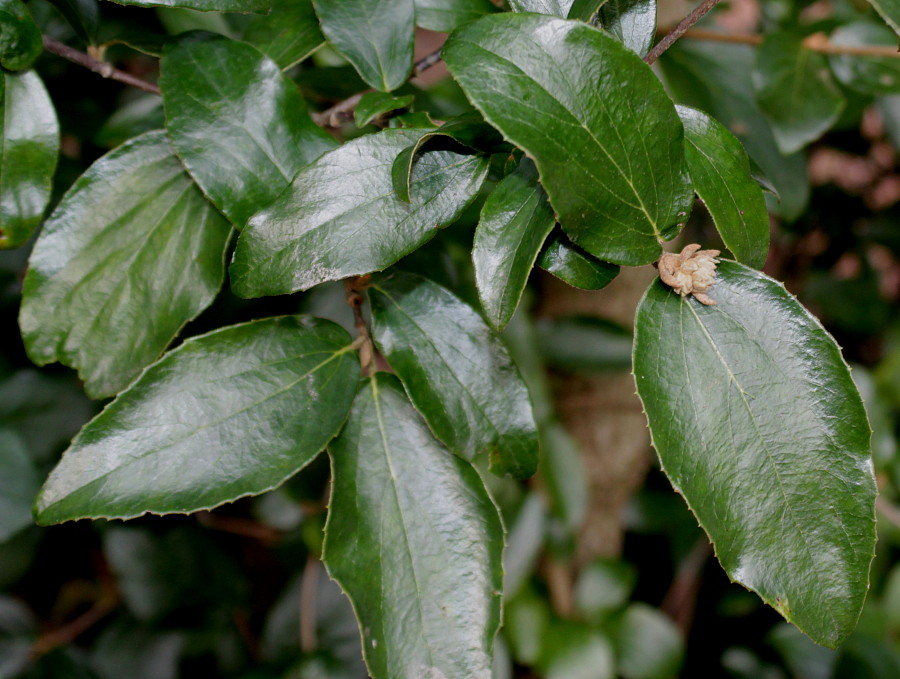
{"x": 238, "y": 526}
{"x": 100, "y": 67}
{"x": 309, "y": 586}
{"x": 354, "y": 286}
{"x": 681, "y": 598}
{"x": 680, "y": 30}
{"x": 72, "y": 630}
{"x": 817, "y": 42}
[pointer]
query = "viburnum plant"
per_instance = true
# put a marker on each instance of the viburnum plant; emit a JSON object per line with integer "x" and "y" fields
{"x": 587, "y": 165}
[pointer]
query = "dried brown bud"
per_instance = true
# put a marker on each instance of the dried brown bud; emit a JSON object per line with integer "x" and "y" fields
{"x": 690, "y": 272}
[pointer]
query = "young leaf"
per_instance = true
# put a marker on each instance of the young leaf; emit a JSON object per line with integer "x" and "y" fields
{"x": 414, "y": 540}
{"x": 231, "y": 413}
{"x": 19, "y": 482}
{"x": 577, "y": 268}
{"x": 457, "y": 372}
{"x": 515, "y": 221}
{"x": 795, "y": 90}
{"x": 760, "y": 427}
{"x": 448, "y": 15}
{"x": 603, "y": 133}
{"x": 130, "y": 254}
{"x": 559, "y": 8}
{"x": 722, "y": 178}
{"x": 889, "y": 11}
{"x": 243, "y": 144}
{"x": 631, "y": 21}
{"x": 246, "y": 6}
{"x": 288, "y": 34}
{"x": 376, "y": 36}
{"x": 30, "y": 142}
{"x": 374, "y": 104}
{"x": 319, "y": 231}
{"x": 20, "y": 37}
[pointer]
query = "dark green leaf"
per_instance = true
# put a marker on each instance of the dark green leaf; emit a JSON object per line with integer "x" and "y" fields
{"x": 127, "y": 649}
{"x": 515, "y": 221}
{"x": 374, "y": 104}
{"x": 139, "y": 115}
{"x": 414, "y": 540}
{"x": 20, "y": 37}
{"x": 631, "y": 21}
{"x": 563, "y": 472}
{"x": 759, "y": 426}
{"x": 376, "y": 36}
{"x": 716, "y": 78}
{"x": 30, "y": 142}
{"x": 131, "y": 254}
{"x": 722, "y": 178}
{"x": 584, "y": 344}
{"x": 288, "y": 34}
{"x": 318, "y": 231}
{"x": 246, "y": 6}
{"x": 19, "y": 484}
{"x": 187, "y": 435}
{"x": 83, "y": 16}
{"x": 603, "y": 133}
{"x": 569, "y": 263}
{"x": 559, "y": 8}
{"x": 870, "y": 75}
{"x": 457, "y": 372}
{"x": 795, "y": 90}
{"x": 244, "y": 143}
{"x": 448, "y": 15}
{"x": 585, "y": 10}
{"x": 648, "y": 645}
{"x": 889, "y": 11}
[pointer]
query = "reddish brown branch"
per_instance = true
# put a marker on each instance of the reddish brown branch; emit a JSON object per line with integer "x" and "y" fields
{"x": 99, "y": 67}
{"x": 679, "y": 30}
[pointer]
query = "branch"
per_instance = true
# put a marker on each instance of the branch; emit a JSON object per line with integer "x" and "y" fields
{"x": 680, "y": 30}
{"x": 99, "y": 67}
{"x": 354, "y": 287}
{"x": 816, "y": 42}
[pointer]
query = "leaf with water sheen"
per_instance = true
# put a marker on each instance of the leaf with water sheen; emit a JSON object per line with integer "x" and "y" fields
{"x": 231, "y": 413}
{"x": 30, "y": 143}
{"x": 375, "y": 104}
{"x": 604, "y": 135}
{"x": 515, "y": 221}
{"x": 631, "y": 21}
{"x": 243, "y": 144}
{"x": 448, "y": 15}
{"x": 559, "y": 8}
{"x": 376, "y": 36}
{"x": 722, "y": 178}
{"x": 288, "y": 34}
{"x": 131, "y": 253}
{"x": 457, "y": 372}
{"x": 414, "y": 540}
{"x": 759, "y": 426}
{"x": 569, "y": 263}
{"x": 320, "y": 231}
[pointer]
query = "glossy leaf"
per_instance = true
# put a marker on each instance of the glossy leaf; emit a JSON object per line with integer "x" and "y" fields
{"x": 246, "y": 6}
{"x": 631, "y": 21}
{"x": 584, "y": 344}
{"x": 20, "y": 37}
{"x": 414, "y": 540}
{"x": 288, "y": 34}
{"x": 795, "y": 90}
{"x": 889, "y": 11}
{"x": 83, "y": 16}
{"x": 585, "y": 10}
{"x": 318, "y": 231}
{"x": 376, "y": 36}
{"x": 515, "y": 221}
{"x": 244, "y": 144}
{"x": 375, "y": 104}
{"x": 604, "y": 135}
{"x": 19, "y": 483}
{"x": 231, "y": 413}
{"x": 559, "y": 8}
{"x": 722, "y": 178}
{"x": 448, "y": 15}
{"x": 569, "y": 263}
{"x": 30, "y": 142}
{"x": 456, "y": 371}
{"x": 870, "y": 75}
{"x": 131, "y": 254}
{"x": 759, "y": 426}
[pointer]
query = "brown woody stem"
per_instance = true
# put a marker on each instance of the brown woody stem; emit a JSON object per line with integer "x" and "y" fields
{"x": 99, "y": 67}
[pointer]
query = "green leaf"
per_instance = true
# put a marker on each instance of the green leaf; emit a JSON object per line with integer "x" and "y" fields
{"x": 578, "y": 652}
{"x": 585, "y": 10}
{"x": 720, "y": 170}
{"x": 457, "y": 372}
{"x": 318, "y": 231}
{"x": 869, "y": 75}
{"x": 30, "y": 142}
{"x": 604, "y": 135}
{"x": 376, "y": 36}
{"x": 795, "y": 90}
{"x": 288, "y": 34}
{"x": 569, "y": 263}
{"x": 631, "y": 21}
{"x": 414, "y": 540}
{"x": 559, "y": 8}
{"x": 515, "y": 221}
{"x": 131, "y": 254}
{"x": 563, "y": 472}
{"x": 245, "y": 6}
{"x": 231, "y": 413}
{"x": 525, "y": 541}
{"x": 19, "y": 483}
{"x": 759, "y": 426}
{"x": 244, "y": 143}
{"x": 889, "y": 11}
{"x": 20, "y": 37}
{"x": 603, "y": 587}
{"x": 374, "y": 104}
{"x": 83, "y": 16}
{"x": 648, "y": 644}
{"x": 448, "y": 15}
